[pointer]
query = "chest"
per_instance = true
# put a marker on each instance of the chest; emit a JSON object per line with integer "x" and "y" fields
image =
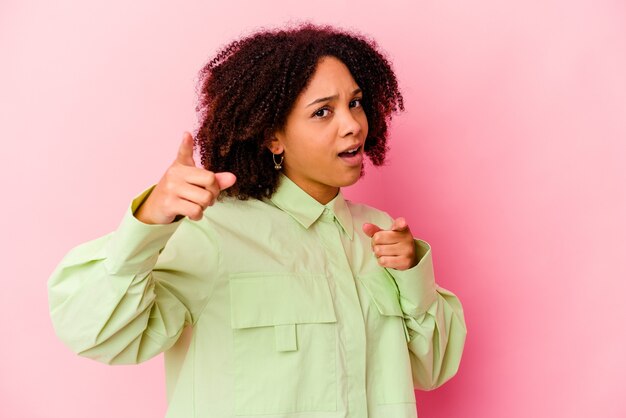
{"x": 281, "y": 245}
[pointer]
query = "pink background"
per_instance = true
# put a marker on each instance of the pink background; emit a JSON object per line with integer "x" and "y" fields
{"x": 509, "y": 161}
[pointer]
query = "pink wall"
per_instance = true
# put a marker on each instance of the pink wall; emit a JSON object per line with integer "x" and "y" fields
{"x": 509, "y": 161}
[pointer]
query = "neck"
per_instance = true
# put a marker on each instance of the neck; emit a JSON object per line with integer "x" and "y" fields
{"x": 320, "y": 192}
{"x": 323, "y": 197}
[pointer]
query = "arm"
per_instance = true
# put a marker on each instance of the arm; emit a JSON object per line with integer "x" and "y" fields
{"x": 125, "y": 297}
{"x": 435, "y": 322}
{"x": 433, "y": 316}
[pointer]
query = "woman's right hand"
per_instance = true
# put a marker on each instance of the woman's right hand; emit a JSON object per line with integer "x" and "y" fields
{"x": 184, "y": 189}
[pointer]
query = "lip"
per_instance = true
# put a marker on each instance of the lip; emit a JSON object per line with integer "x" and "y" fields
{"x": 354, "y": 160}
{"x": 353, "y": 146}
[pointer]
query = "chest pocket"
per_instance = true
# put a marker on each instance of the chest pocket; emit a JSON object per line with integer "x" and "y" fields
{"x": 284, "y": 343}
{"x": 391, "y": 378}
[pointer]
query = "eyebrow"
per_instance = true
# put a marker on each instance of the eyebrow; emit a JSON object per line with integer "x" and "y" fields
{"x": 326, "y": 99}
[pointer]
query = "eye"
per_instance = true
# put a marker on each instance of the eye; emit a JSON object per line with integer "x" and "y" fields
{"x": 357, "y": 102}
{"x": 320, "y": 112}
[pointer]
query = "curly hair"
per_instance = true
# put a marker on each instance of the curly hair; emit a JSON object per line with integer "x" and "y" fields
{"x": 248, "y": 89}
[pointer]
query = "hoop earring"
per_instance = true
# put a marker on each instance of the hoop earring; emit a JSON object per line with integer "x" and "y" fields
{"x": 277, "y": 165}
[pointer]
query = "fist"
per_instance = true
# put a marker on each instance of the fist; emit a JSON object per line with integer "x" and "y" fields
{"x": 184, "y": 189}
{"x": 394, "y": 248}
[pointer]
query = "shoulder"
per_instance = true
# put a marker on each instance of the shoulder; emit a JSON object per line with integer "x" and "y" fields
{"x": 366, "y": 213}
{"x": 233, "y": 213}
{"x": 228, "y": 207}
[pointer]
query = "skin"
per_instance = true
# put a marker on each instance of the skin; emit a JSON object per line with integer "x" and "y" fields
{"x": 315, "y": 132}
{"x": 327, "y": 118}
{"x": 184, "y": 189}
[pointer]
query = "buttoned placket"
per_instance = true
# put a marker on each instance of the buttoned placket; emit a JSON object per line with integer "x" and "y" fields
{"x": 351, "y": 338}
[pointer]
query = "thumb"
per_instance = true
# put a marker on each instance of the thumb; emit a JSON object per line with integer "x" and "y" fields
{"x": 225, "y": 179}
{"x": 185, "y": 151}
{"x": 370, "y": 229}
{"x": 399, "y": 224}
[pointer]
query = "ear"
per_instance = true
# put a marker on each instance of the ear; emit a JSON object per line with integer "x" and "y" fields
{"x": 274, "y": 144}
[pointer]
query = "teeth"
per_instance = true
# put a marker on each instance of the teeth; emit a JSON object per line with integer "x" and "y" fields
{"x": 352, "y": 151}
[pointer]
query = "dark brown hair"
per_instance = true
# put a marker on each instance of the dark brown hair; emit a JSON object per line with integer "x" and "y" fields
{"x": 247, "y": 90}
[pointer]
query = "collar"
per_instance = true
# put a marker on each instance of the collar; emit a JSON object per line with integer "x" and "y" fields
{"x": 305, "y": 209}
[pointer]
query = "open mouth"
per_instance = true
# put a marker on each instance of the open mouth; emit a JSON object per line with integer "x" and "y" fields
{"x": 350, "y": 153}
{"x": 352, "y": 157}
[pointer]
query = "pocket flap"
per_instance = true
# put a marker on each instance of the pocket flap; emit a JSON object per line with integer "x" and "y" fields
{"x": 383, "y": 292}
{"x": 265, "y": 299}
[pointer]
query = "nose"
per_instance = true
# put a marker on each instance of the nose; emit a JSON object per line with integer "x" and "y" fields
{"x": 350, "y": 124}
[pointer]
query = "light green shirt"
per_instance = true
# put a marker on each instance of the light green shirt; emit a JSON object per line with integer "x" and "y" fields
{"x": 273, "y": 307}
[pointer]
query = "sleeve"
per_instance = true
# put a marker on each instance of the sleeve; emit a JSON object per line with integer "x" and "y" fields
{"x": 125, "y": 297}
{"x": 434, "y": 320}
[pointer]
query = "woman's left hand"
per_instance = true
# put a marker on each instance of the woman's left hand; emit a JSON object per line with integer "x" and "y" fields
{"x": 394, "y": 248}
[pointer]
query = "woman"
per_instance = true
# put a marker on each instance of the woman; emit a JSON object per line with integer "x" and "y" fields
{"x": 269, "y": 293}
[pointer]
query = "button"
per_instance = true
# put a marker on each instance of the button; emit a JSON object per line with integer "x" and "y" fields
{"x": 327, "y": 215}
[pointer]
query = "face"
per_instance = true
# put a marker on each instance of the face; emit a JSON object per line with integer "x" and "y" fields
{"x": 324, "y": 133}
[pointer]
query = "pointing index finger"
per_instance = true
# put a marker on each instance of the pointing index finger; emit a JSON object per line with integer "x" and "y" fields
{"x": 185, "y": 151}
{"x": 399, "y": 225}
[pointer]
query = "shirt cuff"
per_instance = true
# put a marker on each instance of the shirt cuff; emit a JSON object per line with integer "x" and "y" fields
{"x": 135, "y": 246}
{"x": 417, "y": 285}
